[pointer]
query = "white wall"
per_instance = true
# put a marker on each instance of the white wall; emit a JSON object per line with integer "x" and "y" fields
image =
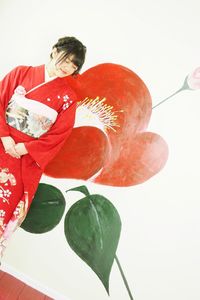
{"x": 159, "y": 246}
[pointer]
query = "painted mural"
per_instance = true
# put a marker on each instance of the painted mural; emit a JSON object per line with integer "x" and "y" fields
{"x": 111, "y": 146}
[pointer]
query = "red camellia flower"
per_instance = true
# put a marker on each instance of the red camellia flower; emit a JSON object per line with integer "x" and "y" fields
{"x": 109, "y": 144}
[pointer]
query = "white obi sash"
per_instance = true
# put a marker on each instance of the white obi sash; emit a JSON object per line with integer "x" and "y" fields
{"x": 29, "y": 116}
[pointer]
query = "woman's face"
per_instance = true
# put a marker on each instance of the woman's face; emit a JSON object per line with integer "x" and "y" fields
{"x": 64, "y": 67}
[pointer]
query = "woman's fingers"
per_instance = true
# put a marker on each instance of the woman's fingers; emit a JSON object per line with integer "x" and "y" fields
{"x": 13, "y": 152}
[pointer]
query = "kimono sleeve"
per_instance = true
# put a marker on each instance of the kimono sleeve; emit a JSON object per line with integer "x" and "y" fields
{"x": 45, "y": 148}
{"x": 7, "y": 86}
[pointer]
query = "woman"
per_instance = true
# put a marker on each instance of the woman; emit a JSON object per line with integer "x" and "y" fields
{"x": 37, "y": 114}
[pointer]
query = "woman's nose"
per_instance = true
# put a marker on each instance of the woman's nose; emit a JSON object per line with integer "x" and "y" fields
{"x": 65, "y": 66}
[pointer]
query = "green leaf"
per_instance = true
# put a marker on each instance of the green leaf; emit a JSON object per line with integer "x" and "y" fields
{"x": 92, "y": 229}
{"x": 46, "y": 210}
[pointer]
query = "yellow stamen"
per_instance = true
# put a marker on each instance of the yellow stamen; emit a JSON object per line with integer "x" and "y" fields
{"x": 102, "y": 111}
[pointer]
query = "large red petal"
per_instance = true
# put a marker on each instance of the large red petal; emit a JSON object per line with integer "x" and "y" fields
{"x": 123, "y": 89}
{"x": 139, "y": 160}
{"x": 82, "y": 155}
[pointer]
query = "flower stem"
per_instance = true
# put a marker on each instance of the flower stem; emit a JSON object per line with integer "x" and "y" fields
{"x": 168, "y": 97}
{"x": 124, "y": 278}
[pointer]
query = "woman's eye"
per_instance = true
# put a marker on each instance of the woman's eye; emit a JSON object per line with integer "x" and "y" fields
{"x": 69, "y": 61}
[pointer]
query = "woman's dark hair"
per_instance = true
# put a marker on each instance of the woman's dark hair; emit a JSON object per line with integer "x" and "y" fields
{"x": 70, "y": 45}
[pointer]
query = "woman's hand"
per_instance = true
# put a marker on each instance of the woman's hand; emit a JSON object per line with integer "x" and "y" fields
{"x": 20, "y": 148}
{"x": 9, "y": 146}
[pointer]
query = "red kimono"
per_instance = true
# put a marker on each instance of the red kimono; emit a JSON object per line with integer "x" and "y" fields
{"x": 41, "y": 115}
